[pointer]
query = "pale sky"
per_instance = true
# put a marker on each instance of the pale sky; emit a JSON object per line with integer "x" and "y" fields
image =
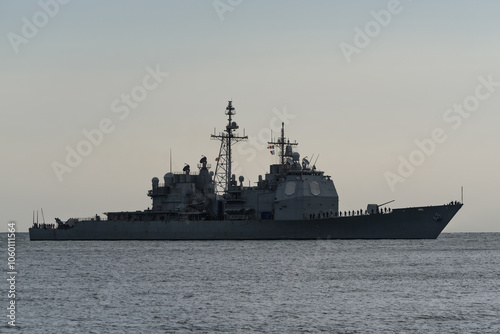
{"x": 358, "y": 83}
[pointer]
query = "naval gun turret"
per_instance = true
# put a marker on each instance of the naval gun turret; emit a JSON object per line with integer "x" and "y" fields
{"x": 373, "y": 209}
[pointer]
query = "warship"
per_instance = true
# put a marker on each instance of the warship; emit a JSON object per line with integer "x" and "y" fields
{"x": 294, "y": 200}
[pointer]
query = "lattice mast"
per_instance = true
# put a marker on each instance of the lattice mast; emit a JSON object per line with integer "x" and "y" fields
{"x": 222, "y": 177}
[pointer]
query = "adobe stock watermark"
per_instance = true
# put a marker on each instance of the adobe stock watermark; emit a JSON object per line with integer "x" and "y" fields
{"x": 31, "y": 27}
{"x": 454, "y": 117}
{"x": 11, "y": 273}
{"x": 372, "y": 29}
{"x": 259, "y": 141}
{"x": 122, "y": 107}
{"x": 223, "y": 6}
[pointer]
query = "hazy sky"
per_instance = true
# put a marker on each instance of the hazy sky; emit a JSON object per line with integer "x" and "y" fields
{"x": 400, "y": 100}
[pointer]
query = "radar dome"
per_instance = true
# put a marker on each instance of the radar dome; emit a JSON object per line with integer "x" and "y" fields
{"x": 168, "y": 178}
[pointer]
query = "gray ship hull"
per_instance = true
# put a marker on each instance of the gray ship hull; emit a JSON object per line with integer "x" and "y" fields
{"x": 408, "y": 223}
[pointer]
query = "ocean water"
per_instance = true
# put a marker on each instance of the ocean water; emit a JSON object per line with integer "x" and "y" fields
{"x": 448, "y": 285}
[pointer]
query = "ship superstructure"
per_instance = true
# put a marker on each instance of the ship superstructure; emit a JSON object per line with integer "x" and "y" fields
{"x": 294, "y": 200}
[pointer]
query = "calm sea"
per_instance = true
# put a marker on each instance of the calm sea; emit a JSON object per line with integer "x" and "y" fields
{"x": 448, "y": 285}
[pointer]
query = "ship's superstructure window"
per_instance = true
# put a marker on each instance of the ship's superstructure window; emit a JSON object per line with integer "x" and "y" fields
{"x": 314, "y": 186}
{"x": 290, "y": 188}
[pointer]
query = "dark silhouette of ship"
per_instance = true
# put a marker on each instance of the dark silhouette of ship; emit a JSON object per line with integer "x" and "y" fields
{"x": 293, "y": 201}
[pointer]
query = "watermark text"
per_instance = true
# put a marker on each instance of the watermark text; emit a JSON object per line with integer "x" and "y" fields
{"x": 223, "y": 6}
{"x": 454, "y": 118}
{"x": 121, "y": 106}
{"x": 31, "y": 27}
{"x": 373, "y": 28}
{"x": 11, "y": 273}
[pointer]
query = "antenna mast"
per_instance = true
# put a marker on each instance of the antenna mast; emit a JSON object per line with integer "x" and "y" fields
{"x": 170, "y": 160}
{"x": 281, "y": 144}
{"x": 222, "y": 177}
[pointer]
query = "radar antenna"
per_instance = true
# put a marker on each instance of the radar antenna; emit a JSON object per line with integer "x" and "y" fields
{"x": 222, "y": 176}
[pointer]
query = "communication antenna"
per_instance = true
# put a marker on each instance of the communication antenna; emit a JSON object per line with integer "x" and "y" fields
{"x": 315, "y": 160}
{"x": 462, "y": 194}
{"x": 170, "y": 160}
{"x": 281, "y": 143}
{"x": 43, "y": 217}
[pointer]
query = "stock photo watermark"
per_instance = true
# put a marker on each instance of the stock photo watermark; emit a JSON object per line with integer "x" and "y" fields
{"x": 121, "y": 106}
{"x": 31, "y": 26}
{"x": 259, "y": 141}
{"x": 223, "y": 6}
{"x": 454, "y": 117}
{"x": 11, "y": 273}
{"x": 255, "y": 143}
{"x": 371, "y": 30}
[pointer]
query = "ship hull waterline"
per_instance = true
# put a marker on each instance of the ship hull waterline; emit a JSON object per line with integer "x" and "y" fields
{"x": 408, "y": 223}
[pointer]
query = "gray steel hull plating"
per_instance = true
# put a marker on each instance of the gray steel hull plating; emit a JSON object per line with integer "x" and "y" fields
{"x": 408, "y": 223}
